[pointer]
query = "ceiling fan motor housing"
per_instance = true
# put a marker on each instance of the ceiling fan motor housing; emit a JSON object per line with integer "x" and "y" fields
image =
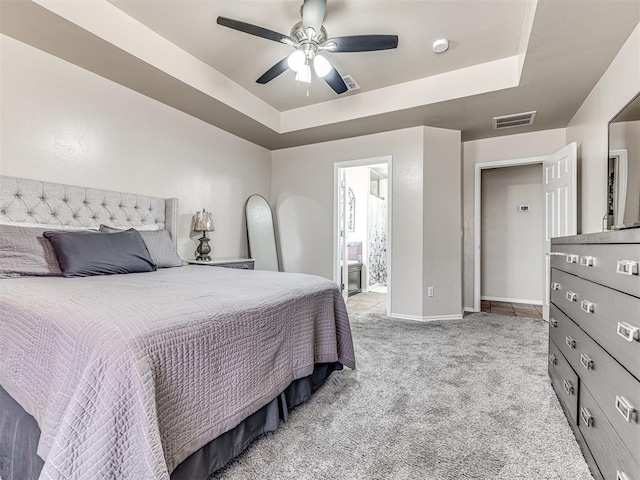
{"x": 309, "y": 45}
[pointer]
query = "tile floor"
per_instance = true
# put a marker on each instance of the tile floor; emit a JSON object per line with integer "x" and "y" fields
{"x": 371, "y": 302}
{"x": 512, "y": 309}
{"x": 368, "y": 302}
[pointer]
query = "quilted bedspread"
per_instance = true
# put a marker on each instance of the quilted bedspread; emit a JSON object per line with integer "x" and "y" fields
{"x": 127, "y": 375}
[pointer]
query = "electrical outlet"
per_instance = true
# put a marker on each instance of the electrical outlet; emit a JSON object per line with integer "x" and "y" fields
{"x": 430, "y": 291}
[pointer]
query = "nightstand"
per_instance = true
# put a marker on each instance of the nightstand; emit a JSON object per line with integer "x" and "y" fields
{"x": 228, "y": 262}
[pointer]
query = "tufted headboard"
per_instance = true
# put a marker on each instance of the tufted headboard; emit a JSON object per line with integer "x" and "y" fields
{"x": 34, "y": 202}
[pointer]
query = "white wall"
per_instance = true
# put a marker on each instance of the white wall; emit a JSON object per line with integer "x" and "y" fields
{"x": 61, "y": 123}
{"x": 512, "y": 243}
{"x": 510, "y": 147}
{"x": 589, "y": 128}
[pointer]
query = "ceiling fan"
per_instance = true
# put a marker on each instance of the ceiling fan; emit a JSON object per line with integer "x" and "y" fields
{"x": 309, "y": 38}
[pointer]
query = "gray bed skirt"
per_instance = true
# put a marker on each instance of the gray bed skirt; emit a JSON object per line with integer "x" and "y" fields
{"x": 19, "y": 433}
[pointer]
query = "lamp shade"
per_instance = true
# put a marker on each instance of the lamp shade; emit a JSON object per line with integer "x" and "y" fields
{"x": 203, "y": 222}
{"x": 296, "y": 60}
{"x": 321, "y": 66}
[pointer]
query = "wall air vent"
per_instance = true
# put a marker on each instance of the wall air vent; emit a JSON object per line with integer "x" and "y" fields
{"x": 350, "y": 82}
{"x": 515, "y": 120}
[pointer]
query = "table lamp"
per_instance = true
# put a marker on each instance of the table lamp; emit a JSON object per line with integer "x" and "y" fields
{"x": 203, "y": 222}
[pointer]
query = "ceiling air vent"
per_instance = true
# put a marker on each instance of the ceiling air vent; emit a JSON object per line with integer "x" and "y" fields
{"x": 515, "y": 120}
{"x": 350, "y": 83}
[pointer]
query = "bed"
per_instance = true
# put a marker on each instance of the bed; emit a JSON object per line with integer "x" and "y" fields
{"x": 163, "y": 374}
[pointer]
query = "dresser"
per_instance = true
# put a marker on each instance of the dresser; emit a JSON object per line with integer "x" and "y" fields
{"x": 594, "y": 346}
{"x": 229, "y": 262}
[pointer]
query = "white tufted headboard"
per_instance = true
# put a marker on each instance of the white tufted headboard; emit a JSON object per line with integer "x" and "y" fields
{"x": 31, "y": 201}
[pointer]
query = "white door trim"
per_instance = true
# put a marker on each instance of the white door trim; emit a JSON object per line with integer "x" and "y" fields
{"x": 478, "y": 211}
{"x": 388, "y": 159}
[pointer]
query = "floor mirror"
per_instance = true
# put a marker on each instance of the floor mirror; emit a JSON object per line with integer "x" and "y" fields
{"x": 261, "y": 234}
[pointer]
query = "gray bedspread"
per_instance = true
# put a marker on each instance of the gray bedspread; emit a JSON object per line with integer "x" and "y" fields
{"x": 127, "y": 375}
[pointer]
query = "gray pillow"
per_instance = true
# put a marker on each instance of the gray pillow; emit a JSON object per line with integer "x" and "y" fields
{"x": 83, "y": 254}
{"x": 159, "y": 244}
{"x": 24, "y": 251}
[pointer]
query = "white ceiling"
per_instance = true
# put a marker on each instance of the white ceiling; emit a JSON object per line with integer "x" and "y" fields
{"x": 506, "y": 56}
{"x": 489, "y": 30}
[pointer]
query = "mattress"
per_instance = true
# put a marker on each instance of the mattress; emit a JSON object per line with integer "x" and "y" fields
{"x": 128, "y": 375}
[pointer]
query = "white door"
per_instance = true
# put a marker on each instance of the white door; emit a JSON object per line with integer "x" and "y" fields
{"x": 342, "y": 244}
{"x": 559, "y": 177}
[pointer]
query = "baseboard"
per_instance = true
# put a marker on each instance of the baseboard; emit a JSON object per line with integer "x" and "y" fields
{"x": 426, "y": 319}
{"x": 471, "y": 310}
{"x": 511, "y": 300}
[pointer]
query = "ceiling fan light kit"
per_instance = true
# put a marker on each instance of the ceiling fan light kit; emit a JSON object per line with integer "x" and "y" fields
{"x": 309, "y": 37}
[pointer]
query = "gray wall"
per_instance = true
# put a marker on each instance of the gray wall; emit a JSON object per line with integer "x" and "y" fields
{"x": 61, "y": 123}
{"x": 512, "y": 262}
{"x": 589, "y": 128}
{"x": 425, "y": 180}
{"x": 509, "y": 147}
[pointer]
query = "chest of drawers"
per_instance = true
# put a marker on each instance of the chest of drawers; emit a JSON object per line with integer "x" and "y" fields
{"x": 594, "y": 346}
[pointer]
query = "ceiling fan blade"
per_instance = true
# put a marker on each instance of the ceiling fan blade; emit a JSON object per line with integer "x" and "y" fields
{"x": 254, "y": 30}
{"x": 335, "y": 81}
{"x": 313, "y": 14}
{"x": 274, "y": 71}
{"x": 362, "y": 43}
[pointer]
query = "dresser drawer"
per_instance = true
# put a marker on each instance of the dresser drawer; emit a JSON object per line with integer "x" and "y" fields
{"x": 564, "y": 380}
{"x": 616, "y": 391}
{"x": 614, "y": 265}
{"x": 611, "y": 317}
{"x": 567, "y": 336}
{"x": 613, "y": 457}
{"x": 240, "y": 265}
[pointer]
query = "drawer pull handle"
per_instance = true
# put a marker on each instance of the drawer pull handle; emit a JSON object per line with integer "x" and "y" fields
{"x": 625, "y": 408}
{"x": 586, "y": 416}
{"x": 586, "y": 362}
{"x": 586, "y": 261}
{"x": 627, "y": 267}
{"x": 552, "y": 359}
{"x": 586, "y": 306}
{"x": 628, "y": 332}
{"x": 553, "y": 322}
{"x": 571, "y": 343}
{"x": 568, "y": 387}
{"x": 621, "y": 475}
{"x": 572, "y": 296}
{"x": 245, "y": 266}
{"x": 570, "y": 258}
{"x": 555, "y": 286}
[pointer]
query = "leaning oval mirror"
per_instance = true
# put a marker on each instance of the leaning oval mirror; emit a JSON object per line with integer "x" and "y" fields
{"x": 260, "y": 233}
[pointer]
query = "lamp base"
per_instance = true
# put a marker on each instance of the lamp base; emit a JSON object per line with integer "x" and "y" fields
{"x": 203, "y": 250}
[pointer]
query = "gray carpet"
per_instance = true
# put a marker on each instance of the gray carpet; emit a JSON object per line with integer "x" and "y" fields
{"x": 465, "y": 399}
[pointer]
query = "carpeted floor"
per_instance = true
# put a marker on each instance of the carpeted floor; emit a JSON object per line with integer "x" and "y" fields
{"x": 464, "y": 399}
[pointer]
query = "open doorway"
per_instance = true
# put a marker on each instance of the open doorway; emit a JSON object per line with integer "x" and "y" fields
{"x": 362, "y": 226}
{"x": 559, "y": 179}
{"x": 512, "y": 234}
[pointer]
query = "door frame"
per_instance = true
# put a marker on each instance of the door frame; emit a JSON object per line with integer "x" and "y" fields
{"x": 477, "y": 216}
{"x": 337, "y": 167}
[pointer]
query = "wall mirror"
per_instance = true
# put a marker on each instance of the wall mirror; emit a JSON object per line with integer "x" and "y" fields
{"x": 261, "y": 234}
{"x": 623, "y": 199}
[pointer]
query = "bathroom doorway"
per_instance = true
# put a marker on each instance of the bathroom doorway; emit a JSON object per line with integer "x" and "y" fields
{"x": 363, "y": 219}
